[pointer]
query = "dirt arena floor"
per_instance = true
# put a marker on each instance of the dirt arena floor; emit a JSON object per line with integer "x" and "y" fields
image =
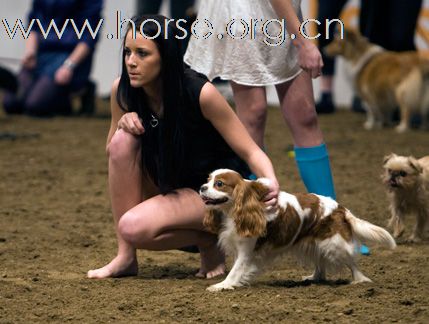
{"x": 55, "y": 224}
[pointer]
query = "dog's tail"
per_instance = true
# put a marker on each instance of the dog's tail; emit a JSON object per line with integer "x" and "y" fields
{"x": 366, "y": 232}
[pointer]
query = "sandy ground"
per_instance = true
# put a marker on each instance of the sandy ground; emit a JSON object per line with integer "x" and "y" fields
{"x": 55, "y": 224}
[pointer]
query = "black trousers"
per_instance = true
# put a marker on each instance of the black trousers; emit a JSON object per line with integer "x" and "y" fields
{"x": 177, "y": 7}
{"x": 328, "y": 9}
{"x": 395, "y": 31}
{"x": 8, "y": 80}
{"x": 178, "y": 10}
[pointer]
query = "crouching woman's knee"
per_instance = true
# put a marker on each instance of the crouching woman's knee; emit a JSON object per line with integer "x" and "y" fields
{"x": 133, "y": 232}
{"x": 123, "y": 146}
{"x": 128, "y": 230}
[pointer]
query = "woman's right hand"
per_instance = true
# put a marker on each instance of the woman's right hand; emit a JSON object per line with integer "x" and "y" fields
{"x": 309, "y": 58}
{"x": 131, "y": 123}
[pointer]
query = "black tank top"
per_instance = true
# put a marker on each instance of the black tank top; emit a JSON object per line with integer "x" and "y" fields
{"x": 208, "y": 150}
{"x": 205, "y": 150}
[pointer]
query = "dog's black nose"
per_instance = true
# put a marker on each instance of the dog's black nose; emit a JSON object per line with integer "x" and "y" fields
{"x": 393, "y": 182}
{"x": 203, "y": 188}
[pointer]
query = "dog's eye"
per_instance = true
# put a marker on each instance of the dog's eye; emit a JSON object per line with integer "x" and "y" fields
{"x": 218, "y": 183}
{"x": 403, "y": 173}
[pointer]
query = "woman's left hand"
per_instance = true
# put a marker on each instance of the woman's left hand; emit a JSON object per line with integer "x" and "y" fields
{"x": 270, "y": 198}
{"x": 63, "y": 75}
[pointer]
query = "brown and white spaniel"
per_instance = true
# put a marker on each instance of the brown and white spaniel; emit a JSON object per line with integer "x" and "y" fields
{"x": 317, "y": 229}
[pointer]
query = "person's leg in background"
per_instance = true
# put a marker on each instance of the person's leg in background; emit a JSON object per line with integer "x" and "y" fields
{"x": 180, "y": 10}
{"x": 403, "y": 20}
{"x": 396, "y": 32}
{"x": 8, "y": 80}
{"x": 311, "y": 154}
{"x": 46, "y": 98}
{"x": 13, "y": 103}
{"x": 370, "y": 24}
{"x": 148, "y": 7}
{"x": 328, "y": 9}
{"x": 297, "y": 105}
{"x": 402, "y": 24}
{"x": 373, "y": 28}
{"x": 251, "y": 107}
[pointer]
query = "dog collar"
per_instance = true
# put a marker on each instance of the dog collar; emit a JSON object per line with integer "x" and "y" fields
{"x": 374, "y": 50}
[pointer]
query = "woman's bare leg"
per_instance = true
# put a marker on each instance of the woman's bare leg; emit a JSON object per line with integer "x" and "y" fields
{"x": 159, "y": 223}
{"x": 251, "y": 108}
{"x": 172, "y": 221}
{"x": 125, "y": 188}
{"x": 297, "y": 105}
{"x": 311, "y": 154}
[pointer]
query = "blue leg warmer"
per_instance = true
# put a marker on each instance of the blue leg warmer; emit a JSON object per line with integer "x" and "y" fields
{"x": 315, "y": 170}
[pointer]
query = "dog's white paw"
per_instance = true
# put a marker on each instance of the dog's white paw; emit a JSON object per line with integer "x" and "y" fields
{"x": 378, "y": 124}
{"x": 368, "y": 125}
{"x": 219, "y": 287}
{"x": 309, "y": 278}
{"x": 401, "y": 128}
{"x": 373, "y": 124}
{"x": 398, "y": 233}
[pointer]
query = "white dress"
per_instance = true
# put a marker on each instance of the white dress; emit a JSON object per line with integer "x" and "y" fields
{"x": 247, "y": 61}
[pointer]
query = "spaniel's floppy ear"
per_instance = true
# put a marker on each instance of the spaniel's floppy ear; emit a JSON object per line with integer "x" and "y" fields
{"x": 212, "y": 221}
{"x": 248, "y": 211}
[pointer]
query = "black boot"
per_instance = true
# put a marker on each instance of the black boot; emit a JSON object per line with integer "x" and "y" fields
{"x": 325, "y": 104}
{"x": 88, "y": 100}
{"x": 8, "y": 81}
{"x": 357, "y": 105}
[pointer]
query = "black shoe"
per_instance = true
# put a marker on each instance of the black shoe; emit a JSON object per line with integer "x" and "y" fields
{"x": 325, "y": 104}
{"x": 416, "y": 120}
{"x": 65, "y": 110}
{"x": 357, "y": 105}
{"x": 8, "y": 81}
{"x": 88, "y": 100}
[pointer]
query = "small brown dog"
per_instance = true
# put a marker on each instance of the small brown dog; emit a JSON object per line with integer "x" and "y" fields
{"x": 316, "y": 229}
{"x": 407, "y": 180}
{"x": 385, "y": 80}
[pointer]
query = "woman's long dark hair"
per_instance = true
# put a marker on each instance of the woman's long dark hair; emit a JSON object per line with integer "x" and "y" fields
{"x": 162, "y": 147}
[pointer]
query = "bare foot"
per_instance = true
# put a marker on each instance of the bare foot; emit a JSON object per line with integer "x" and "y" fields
{"x": 212, "y": 262}
{"x": 118, "y": 267}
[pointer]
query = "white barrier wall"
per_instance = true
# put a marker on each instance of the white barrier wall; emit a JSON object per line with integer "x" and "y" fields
{"x": 107, "y": 62}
